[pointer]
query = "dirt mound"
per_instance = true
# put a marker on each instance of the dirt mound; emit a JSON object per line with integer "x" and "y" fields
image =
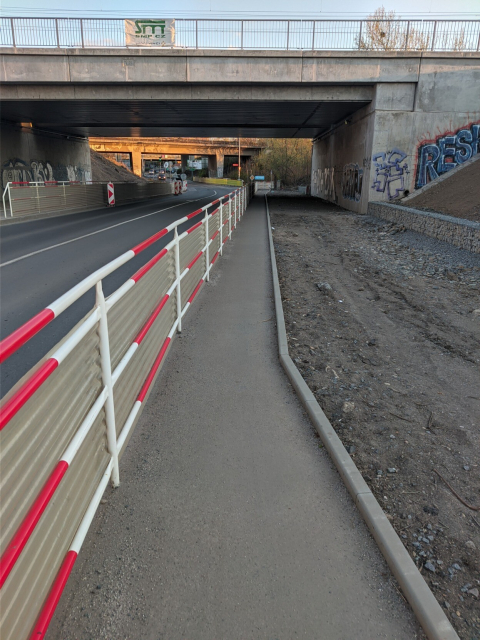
{"x": 105, "y": 170}
{"x": 458, "y": 195}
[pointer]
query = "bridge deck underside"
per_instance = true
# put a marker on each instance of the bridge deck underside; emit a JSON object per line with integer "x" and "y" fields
{"x": 212, "y": 118}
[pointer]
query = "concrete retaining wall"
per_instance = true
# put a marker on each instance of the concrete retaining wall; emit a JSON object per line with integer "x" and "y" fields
{"x": 461, "y": 233}
{"x": 411, "y": 134}
{"x": 29, "y": 155}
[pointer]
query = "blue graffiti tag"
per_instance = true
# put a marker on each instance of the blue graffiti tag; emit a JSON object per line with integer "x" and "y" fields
{"x": 390, "y": 173}
{"x": 446, "y": 153}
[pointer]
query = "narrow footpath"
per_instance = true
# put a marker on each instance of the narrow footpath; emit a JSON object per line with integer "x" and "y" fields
{"x": 230, "y": 522}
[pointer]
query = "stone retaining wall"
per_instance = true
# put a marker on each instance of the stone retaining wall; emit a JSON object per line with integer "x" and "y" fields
{"x": 462, "y": 233}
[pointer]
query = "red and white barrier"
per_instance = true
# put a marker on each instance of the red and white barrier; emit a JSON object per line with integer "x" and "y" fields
{"x": 111, "y": 194}
{"x": 26, "y": 393}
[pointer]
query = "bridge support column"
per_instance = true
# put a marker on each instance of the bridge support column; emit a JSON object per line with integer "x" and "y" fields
{"x": 220, "y": 159}
{"x": 184, "y": 161}
{"x": 212, "y": 167}
{"x": 137, "y": 162}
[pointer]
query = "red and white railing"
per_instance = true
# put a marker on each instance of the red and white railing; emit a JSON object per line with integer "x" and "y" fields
{"x": 215, "y": 227}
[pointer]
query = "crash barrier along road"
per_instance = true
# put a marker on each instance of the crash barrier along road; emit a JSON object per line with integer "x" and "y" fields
{"x": 22, "y": 199}
{"x": 64, "y": 426}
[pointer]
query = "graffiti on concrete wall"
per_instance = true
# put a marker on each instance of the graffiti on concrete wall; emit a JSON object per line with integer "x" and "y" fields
{"x": 437, "y": 156}
{"x": 391, "y": 171}
{"x": 323, "y": 179}
{"x": 15, "y": 170}
{"x": 352, "y": 182}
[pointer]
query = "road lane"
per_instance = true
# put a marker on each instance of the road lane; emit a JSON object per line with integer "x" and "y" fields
{"x": 29, "y": 285}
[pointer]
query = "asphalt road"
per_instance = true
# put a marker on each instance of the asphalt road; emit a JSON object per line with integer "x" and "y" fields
{"x": 28, "y": 283}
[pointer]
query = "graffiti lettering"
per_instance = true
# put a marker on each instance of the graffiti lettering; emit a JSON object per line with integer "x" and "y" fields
{"x": 390, "y": 173}
{"x": 16, "y": 170}
{"x": 445, "y": 153}
{"x": 352, "y": 182}
{"x": 323, "y": 179}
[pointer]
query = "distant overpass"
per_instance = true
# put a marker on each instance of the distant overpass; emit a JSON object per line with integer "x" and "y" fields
{"x": 214, "y": 148}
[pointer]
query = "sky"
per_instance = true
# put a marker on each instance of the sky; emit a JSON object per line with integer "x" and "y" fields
{"x": 344, "y": 9}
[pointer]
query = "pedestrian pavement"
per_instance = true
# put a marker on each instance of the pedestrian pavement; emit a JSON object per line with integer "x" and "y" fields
{"x": 230, "y": 521}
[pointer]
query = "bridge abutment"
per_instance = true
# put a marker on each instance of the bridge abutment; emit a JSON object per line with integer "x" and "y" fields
{"x": 407, "y": 136}
{"x": 30, "y": 155}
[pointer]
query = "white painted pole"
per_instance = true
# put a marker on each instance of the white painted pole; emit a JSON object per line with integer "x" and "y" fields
{"x": 178, "y": 281}
{"x": 108, "y": 383}
{"x": 221, "y": 226}
{"x": 207, "y": 248}
{"x": 230, "y": 206}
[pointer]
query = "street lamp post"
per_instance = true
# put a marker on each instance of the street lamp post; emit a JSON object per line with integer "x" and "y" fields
{"x": 239, "y": 168}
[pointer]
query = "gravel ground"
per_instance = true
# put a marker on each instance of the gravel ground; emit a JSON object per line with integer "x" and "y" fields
{"x": 383, "y": 324}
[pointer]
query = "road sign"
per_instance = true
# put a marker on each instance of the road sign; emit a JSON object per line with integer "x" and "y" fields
{"x": 252, "y": 177}
{"x": 259, "y": 177}
{"x": 111, "y": 194}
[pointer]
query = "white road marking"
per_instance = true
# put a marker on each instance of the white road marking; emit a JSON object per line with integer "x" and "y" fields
{"x": 61, "y": 244}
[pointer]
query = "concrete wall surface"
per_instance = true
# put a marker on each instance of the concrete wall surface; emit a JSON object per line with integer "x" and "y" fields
{"x": 28, "y": 155}
{"x": 111, "y": 66}
{"x": 409, "y": 135}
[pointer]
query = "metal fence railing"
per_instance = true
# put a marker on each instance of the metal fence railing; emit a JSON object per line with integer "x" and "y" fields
{"x": 65, "y": 424}
{"x": 22, "y": 199}
{"x": 315, "y": 35}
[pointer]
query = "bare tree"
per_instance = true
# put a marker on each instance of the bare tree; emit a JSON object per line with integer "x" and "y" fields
{"x": 385, "y": 31}
{"x": 289, "y": 159}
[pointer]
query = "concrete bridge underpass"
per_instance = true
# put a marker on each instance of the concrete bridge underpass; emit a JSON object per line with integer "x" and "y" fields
{"x": 383, "y": 123}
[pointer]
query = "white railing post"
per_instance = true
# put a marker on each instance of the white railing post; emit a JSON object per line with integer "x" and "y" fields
{"x": 6, "y": 191}
{"x": 37, "y": 196}
{"x": 178, "y": 281}
{"x": 221, "y": 225}
{"x": 107, "y": 382}
{"x": 230, "y": 207}
{"x": 207, "y": 248}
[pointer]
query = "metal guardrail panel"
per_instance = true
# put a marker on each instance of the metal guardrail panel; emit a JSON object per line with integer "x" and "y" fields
{"x": 130, "y": 383}
{"x": 31, "y": 445}
{"x": 25, "y": 591}
{"x": 127, "y": 317}
{"x": 191, "y": 245}
{"x": 34, "y": 199}
{"x": 36, "y": 437}
{"x": 192, "y": 278}
{"x": 128, "y": 192}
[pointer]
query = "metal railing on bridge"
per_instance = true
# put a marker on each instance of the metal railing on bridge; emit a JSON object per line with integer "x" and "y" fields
{"x": 65, "y": 424}
{"x": 303, "y": 35}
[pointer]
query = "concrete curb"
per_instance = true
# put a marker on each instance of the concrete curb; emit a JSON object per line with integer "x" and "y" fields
{"x": 424, "y": 604}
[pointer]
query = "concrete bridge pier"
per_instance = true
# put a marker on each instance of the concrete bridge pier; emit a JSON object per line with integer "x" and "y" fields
{"x": 136, "y": 161}
{"x": 220, "y": 158}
